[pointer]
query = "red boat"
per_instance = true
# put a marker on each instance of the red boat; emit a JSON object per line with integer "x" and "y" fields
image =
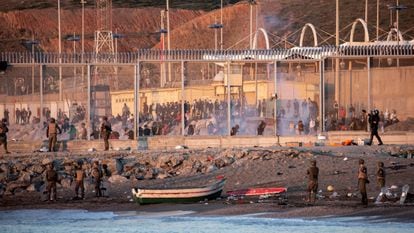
{"x": 257, "y": 192}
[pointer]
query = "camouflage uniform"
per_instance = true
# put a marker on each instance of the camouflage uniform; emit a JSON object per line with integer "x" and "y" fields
{"x": 97, "y": 178}
{"x": 362, "y": 181}
{"x": 3, "y": 135}
{"x": 106, "y": 132}
{"x": 52, "y": 178}
{"x": 79, "y": 177}
{"x": 381, "y": 175}
{"x": 313, "y": 173}
{"x": 52, "y": 132}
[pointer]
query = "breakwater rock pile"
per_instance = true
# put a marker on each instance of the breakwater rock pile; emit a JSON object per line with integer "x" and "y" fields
{"x": 25, "y": 173}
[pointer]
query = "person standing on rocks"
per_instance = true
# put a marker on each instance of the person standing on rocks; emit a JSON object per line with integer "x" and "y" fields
{"x": 381, "y": 175}
{"x": 97, "y": 178}
{"x": 106, "y": 130}
{"x": 362, "y": 181}
{"x": 79, "y": 178}
{"x": 52, "y": 179}
{"x": 313, "y": 173}
{"x": 3, "y": 134}
{"x": 51, "y": 133}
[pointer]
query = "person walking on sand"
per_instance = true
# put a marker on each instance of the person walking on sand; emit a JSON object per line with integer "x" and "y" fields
{"x": 313, "y": 173}
{"x": 79, "y": 178}
{"x": 97, "y": 178}
{"x": 52, "y": 179}
{"x": 362, "y": 181}
{"x": 381, "y": 175}
{"x": 106, "y": 130}
{"x": 51, "y": 133}
{"x": 3, "y": 134}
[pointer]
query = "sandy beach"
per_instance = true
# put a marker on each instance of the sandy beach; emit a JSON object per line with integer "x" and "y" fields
{"x": 259, "y": 167}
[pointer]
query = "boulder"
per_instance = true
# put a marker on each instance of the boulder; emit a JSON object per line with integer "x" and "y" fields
{"x": 211, "y": 168}
{"x": 16, "y": 185}
{"x": 36, "y": 168}
{"x": 176, "y": 160}
{"x": 117, "y": 179}
{"x": 66, "y": 183}
{"x": 24, "y": 177}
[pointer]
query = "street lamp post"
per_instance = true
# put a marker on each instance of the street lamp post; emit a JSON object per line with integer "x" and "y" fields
{"x": 251, "y": 3}
{"x": 215, "y": 26}
{"x": 60, "y": 52}
{"x": 74, "y": 38}
{"x": 168, "y": 37}
{"x": 83, "y": 2}
{"x": 221, "y": 22}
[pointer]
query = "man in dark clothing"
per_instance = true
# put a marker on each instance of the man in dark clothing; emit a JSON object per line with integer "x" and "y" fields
{"x": 374, "y": 121}
{"x": 313, "y": 173}
{"x": 51, "y": 133}
{"x": 97, "y": 178}
{"x": 17, "y": 116}
{"x": 52, "y": 179}
{"x": 3, "y": 134}
{"x": 261, "y": 128}
{"x": 381, "y": 175}
{"x": 362, "y": 181}
{"x": 6, "y": 114}
{"x": 106, "y": 130}
{"x": 234, "y": 130}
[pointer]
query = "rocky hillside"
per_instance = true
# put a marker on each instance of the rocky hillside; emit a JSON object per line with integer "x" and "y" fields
{"x": 190, "y": 20}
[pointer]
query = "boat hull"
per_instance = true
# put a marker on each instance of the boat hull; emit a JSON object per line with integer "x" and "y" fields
{"x": 183, "y": 195}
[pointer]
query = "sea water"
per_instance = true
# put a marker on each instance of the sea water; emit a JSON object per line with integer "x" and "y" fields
{"x": 68, "y": 221}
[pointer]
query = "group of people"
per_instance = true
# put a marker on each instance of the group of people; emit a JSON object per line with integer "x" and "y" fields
{"x": 22, "y": 116}
{"x": 97, "y": 173}
{"x": 341, "y": 119}
{"x": 313, "y": 176}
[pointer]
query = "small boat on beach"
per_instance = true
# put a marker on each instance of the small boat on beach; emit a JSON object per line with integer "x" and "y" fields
{"x": 257, "y": 192}
{"x": 178, "y": 195}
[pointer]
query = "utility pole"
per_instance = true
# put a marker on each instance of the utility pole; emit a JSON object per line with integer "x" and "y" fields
{"x": 378, "y": 15}
{"x": 168, "y": 38}
{"x": 336, "y": 60}
{"x": 60, "y": 52}
{"x": 83, "y": 2}
{"x": 221, "y": 22}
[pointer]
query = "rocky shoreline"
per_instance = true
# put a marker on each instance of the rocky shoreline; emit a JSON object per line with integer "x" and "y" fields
{"x": 22, "y": 176}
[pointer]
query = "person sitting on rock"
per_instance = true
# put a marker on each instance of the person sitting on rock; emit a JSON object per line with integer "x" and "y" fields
{"x": 234, "y": 130}
{"x": 52, "y": 179}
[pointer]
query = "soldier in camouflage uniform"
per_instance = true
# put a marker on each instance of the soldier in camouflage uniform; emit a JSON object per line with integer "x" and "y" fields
{"x": 313, "y": 173}
{"x": 52, "y": 179}
{"x": 97, "y": 178}
{"x": 3, "y": 134}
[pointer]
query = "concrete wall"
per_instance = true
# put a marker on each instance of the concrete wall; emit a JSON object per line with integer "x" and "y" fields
{"x": 164, "y": 142}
